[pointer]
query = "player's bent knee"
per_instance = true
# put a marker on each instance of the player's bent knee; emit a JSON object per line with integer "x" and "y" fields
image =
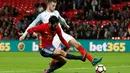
{"x": 61, "y": 59}
{"x": 63, "y": 53}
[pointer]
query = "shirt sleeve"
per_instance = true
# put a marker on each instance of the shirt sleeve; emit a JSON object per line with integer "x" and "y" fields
{"x": 38, "y": 28}
{"x": 58, "y": 31}
{"x": 34, "y": 23}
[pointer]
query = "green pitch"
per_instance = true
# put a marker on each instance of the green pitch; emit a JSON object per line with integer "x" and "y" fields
{"x": 33, "y": 62}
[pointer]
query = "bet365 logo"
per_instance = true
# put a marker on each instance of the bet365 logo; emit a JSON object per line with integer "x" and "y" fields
{"x": 35, "y": 46}
{"x": 108, "y": 47}
{"x": 4, "y": 46}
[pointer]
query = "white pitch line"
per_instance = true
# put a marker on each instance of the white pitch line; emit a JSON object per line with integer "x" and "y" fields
{"x": 84, "y": 68}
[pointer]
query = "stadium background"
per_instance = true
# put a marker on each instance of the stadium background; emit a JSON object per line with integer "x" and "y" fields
{"x": 93, "y": 24}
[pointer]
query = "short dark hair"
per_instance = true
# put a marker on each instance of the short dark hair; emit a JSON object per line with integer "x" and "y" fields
{"x": 49, "y": 1}
{"x": 53, "y": 19}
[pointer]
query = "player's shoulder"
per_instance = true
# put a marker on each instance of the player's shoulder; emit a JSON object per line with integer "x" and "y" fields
{"x": 45, "y": 25}
{"x": 56, "y": 12}
{"x": 42, "y": 13}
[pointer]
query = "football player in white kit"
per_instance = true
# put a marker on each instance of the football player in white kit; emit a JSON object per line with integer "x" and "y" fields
{"x": 44, "y": 17}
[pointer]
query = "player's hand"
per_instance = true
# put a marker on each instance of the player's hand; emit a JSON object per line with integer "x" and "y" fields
{"x": 21, "y": 38}
{"x": 35, "y": 34}
{"x": 68, "y": 26}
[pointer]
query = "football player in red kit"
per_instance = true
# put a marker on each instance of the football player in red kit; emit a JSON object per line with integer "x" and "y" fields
{"x": 46, "y": 33}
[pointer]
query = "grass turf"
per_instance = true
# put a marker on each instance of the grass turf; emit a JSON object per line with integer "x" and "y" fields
{"x": 33, "y": 62}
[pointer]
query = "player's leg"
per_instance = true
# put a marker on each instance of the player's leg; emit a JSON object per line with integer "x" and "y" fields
{"x": 70, "y": 56}
{"x": 59, "y": 63}
{"x": 55, "y": 53}
{"x": 56, "y": 43}
{"x": 48, "y": 52}
{"x": 94, "y": 61}
{"x": 54, "y": 61}
{"x": 80, "y": 49}
{"x": 74, "y": 43}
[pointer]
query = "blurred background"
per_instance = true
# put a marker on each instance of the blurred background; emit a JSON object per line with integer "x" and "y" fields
{"x": 88, "y": 19}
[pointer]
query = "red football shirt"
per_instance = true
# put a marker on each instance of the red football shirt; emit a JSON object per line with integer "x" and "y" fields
{"x": 46, "y": 35}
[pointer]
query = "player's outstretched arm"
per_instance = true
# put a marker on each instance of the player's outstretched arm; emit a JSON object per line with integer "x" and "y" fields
{"x": 35, "y": 30}
{"x": 35, "y": 22}
{"x": 62, "y": 20}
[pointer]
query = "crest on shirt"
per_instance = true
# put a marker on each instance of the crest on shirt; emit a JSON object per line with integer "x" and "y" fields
{"x": 51, "y": 49}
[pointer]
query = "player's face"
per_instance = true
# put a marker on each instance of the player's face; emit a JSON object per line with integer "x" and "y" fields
{"x": 53, "y": 26}
{"x": 52, "y": 6}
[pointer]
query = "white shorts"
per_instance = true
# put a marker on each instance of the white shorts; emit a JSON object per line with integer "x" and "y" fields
{"x": 56, "y": 41}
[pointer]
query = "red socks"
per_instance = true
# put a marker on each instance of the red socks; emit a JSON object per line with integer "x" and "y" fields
{"x": 52, "y": 62}
{"x": 83, "y": 51}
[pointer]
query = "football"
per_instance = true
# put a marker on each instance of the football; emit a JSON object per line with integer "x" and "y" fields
{"x": 100, "y": 69}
